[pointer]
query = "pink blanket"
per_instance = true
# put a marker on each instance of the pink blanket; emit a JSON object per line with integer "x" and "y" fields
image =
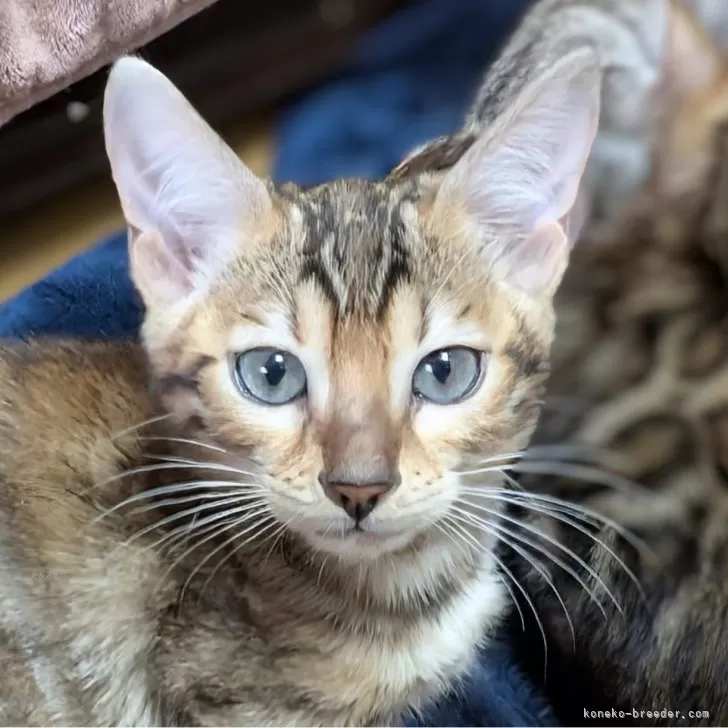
{"x": 45, "y": 45}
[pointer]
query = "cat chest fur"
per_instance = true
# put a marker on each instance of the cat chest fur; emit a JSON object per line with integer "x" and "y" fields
{"x": 305, "y": 672}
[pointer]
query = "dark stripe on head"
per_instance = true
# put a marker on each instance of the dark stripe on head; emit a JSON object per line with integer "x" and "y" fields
{"x": 355, "y": 245}
{"x": 188, "y": 379}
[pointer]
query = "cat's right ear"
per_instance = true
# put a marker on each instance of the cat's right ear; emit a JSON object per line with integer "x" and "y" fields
{"x": 187, "y": 198}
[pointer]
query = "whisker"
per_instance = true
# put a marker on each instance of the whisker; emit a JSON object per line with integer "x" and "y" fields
{"x": 449, "y": 275}
{"x": 560, "y": 452}
{"x": 570, "y": 452}
{"x": 215, "y": 533}
{"x": 214, "y": 497}
{"x": 321, "y": 569}
{"x": 142, "y": 469}
{"x": 185, "y": 531}
{"x": 178, "y": 488}
{"x": 279, "y": 533}
{"x": 225, "y": 558}
{"x": 262, "y": 526}
{"x": 538, "y": 565}
{"x": 457, "y": 541}
{"x": 514, "y": 581}
{"x": 139, "y": 426}
{"x": 575, "y": 508}
{"x": 511, "y": 481}
{"x": 489, "y": 464}
{"x": 204, "y": 464}
{"x": 497, "y": 529}
{"x": 191, "y": 511}
{"x": 544, "y": 536}
{"x": 551, "y": 512}
{"x": 580, "y": 472}
{"x": 185, "y": 441}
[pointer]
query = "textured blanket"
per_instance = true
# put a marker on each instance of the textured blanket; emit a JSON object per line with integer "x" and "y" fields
{"x": 411, "y": 79}
{"x": 46, "y": 45}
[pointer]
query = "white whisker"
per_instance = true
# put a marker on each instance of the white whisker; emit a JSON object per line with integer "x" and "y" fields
{"x": 447, "y": 534}
{"x": 499, "y": 530}
{"x": 179, "y": 488}
{"x": 575, "y": 508}
{"x": 191, "y": 511}
{"x": 145, "y": 423}
{"x": 243, "y": 496}
{"x": 223, "y": 528}
{"x": 185, "y": 441}
{"x": 544, "y": 536}
{"x": 557, "y": 515}
{"x": 554, "y": 542}
{"x": 580, "y": 472}
{"x": 262, "y": 526}
{"x": 202, "y": 464}
{"x": 506, "y": 571}
{"x": 538, "y": 565}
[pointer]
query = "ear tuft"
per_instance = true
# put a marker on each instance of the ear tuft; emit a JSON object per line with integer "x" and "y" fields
{"x": 187, "y": 198}
{"x": 518, "y": 183}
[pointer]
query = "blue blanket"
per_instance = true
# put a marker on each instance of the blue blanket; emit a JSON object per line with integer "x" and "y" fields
{"x": 410, "y": 80}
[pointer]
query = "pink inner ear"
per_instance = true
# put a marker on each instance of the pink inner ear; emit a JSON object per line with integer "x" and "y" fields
{"x": 159, "y": 275}
{"x": 580, "y": 212}
{"x": 538, "y": 261}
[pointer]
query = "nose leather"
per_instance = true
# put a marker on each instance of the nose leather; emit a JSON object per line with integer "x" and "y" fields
{"x": 357, "y": 500}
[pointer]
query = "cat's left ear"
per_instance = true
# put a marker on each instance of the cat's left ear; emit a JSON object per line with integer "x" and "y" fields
{"x": 512, "y": 192}
{"x": 190, "y": 203}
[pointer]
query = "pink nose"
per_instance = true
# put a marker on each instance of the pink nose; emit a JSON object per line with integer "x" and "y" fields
{"x": 357, "y": 500}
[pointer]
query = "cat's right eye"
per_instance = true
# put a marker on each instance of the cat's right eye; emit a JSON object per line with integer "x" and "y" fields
{"x": 270, "y": 376}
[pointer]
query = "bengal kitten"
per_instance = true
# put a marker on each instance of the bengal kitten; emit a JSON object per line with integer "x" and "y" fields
{"x": 259, "y": 516}
{"x": 640, "y": 387}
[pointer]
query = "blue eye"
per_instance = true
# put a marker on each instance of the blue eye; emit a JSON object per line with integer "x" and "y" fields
{"x": 447, "y": 376}
{"x": 270, "y": 376}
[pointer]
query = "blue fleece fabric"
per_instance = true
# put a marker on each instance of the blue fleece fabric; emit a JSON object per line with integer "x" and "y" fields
{"x": 410, "y": 80}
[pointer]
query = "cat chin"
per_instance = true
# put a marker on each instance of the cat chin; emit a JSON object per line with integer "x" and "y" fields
{"x": 353, "y": 545}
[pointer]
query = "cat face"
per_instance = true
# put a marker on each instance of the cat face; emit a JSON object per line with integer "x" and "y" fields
{"x": 357, "y": 344}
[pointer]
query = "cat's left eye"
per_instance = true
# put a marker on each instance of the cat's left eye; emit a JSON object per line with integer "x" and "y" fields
{"x": 270, "y": 376}
{"x": 447, "y": 376}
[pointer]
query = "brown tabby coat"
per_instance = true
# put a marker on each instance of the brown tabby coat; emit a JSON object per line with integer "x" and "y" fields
{"x": 168, "y": 554}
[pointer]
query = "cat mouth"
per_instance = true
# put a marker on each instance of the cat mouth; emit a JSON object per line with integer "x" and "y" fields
{"x": 356, "y": 532}
{"x": 363, "y": 541}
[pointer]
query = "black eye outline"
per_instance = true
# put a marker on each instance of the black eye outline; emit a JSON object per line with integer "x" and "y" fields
{"x": 480, "y": 367}
{"x": 246, "y": 387}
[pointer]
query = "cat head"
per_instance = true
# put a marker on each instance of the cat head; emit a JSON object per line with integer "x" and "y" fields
{"x": 357, "y": 344}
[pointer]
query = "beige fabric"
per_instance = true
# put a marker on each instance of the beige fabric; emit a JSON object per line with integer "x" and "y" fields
{"x": 45, "y": 45}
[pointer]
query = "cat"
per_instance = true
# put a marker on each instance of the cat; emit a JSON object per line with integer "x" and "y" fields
{"x": 255, "y": 516}
{"x": 639, "y": 386}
